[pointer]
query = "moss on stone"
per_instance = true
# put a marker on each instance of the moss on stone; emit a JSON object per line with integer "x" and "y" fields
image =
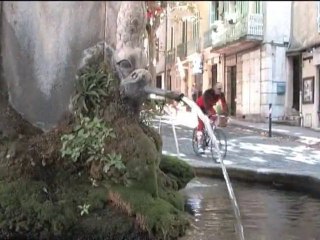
{"x": 161, "y": 218}
{"x": 177, "y": 169}
{"x": 37, "y": 210}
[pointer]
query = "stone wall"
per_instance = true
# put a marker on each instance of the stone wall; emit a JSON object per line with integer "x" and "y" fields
{"x": 41, "y": 46}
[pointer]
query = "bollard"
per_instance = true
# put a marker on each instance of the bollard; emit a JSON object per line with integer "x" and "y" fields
{"x": 270, "y": 119}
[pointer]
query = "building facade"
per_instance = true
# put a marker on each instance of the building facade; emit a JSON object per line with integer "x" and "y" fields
{"x": 241, "y": 44}
{"x": 304, "y": 64}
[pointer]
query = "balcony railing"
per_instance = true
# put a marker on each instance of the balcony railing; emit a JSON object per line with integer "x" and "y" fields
{"x": 171, "y": 57}
{"x": 250, "y": 26}
{"x": 182, "y": 51}
{"x": 193, "y": 46}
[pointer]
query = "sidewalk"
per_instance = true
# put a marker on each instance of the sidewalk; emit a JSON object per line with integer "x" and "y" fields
{"x": 303, "y": 135}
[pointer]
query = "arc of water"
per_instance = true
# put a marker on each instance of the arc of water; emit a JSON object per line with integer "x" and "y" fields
{"x": 160, "y": 124}
{"x": 174, "y": 132}
{"x": 205, "y": 119}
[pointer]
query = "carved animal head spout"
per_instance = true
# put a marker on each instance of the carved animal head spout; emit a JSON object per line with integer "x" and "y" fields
{"x": 129, "y": 59}
{"x": 132, "y": 88}
{"x": 131, "y": 68}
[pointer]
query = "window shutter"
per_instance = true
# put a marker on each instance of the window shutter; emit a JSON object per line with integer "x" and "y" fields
{"x": 212, "y": 12}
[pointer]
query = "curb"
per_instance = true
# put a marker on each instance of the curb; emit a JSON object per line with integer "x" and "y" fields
{"x": 279, "y": 180}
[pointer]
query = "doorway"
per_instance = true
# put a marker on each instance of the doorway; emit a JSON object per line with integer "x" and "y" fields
{"x": 233, "y": 92}
{"x": 214, "y": 75}
{"x": 296, "y": 83}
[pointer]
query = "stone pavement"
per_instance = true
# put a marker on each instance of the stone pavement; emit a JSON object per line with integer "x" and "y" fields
{"x": 246, "y": 148}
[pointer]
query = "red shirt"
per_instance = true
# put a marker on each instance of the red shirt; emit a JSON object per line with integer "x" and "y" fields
{"x": 209, "y": 99}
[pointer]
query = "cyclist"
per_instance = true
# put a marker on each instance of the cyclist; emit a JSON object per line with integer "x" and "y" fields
{"x": 207, "y": 102}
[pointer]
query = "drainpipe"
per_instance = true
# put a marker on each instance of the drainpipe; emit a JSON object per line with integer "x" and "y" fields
{"x": 165, "y": 49}
{"x": 291, "y": 26}
{"x": 300, "y": 107}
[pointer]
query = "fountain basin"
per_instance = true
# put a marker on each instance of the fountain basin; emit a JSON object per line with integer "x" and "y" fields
{"x": 266, "y": 212}
{"x": 279, "y": 179}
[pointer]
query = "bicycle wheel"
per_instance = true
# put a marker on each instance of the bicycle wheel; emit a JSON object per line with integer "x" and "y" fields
{"x": 222, "y": 143}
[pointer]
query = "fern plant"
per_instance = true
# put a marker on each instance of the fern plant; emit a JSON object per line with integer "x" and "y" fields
{"x": 91, "y": 88}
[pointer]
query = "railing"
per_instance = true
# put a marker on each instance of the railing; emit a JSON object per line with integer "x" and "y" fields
{"x": 248, "y": 26}
{"x": 193, "y": 46}
{"x": 171, "y": 57}
{"x": 182, "y": 51}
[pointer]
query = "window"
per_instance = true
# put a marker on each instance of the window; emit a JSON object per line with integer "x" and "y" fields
{"x": 159, "y": 82}
{"x": 169, "y": 82}
{"x": 157, "y": 49}
{"x": 184, "y": 31}
{"x": 195, "y": 26}
{"x": 171, "y": 39}
{"x": 214, "y": 11}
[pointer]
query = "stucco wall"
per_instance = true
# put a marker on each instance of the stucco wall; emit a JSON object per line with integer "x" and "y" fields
{"x": 304, "y": 24}
{"x": 251, "y": 82}
{"x": 41, "y": 45}
{"x": 277, "y": 21}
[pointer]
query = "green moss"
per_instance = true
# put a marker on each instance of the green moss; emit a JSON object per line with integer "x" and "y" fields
{"x": 33, "y": 206}
{"x": 163, "y": 216}
{"x": 177, "y": 169}
{"x": 174, "y": 198}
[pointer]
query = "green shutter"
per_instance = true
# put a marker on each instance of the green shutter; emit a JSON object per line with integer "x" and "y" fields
{"x": 212, "y": 12}
{"x": 258, "y": 7}
{"x": 245, "y": 8}
{"x": 226, "y": 6}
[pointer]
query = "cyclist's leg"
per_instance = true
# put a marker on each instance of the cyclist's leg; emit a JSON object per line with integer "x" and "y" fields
{"x": 200, "y": 136}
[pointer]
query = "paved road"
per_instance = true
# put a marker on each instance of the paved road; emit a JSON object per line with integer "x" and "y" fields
{"x": 246, "y": 148}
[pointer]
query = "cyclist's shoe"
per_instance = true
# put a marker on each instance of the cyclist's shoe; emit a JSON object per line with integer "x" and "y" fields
{"x": 200, "y": 150}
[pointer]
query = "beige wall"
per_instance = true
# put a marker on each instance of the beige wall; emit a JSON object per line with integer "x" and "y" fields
{"x": 204, "y": 9}
{"x": 309, "y": 111}
{"x": 304, "y": 24}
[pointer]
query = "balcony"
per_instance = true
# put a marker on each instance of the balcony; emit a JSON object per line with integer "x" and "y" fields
{"x": 193, "y": 46}
{"x": 245, "y": 33}
{"x": 182, "y": 51}
{"x": 171, "y": 57}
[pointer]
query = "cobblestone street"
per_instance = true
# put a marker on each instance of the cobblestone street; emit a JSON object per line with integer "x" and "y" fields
{"x": 246, "y": 148}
